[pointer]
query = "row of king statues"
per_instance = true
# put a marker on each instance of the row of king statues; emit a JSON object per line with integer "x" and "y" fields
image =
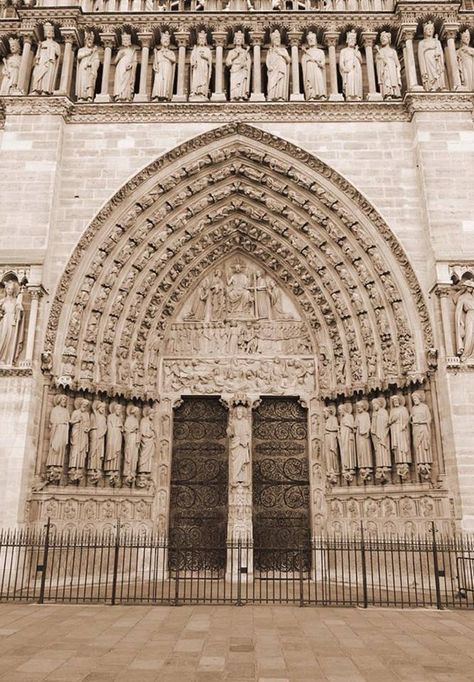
{"x": 239, "y": 63}
{"x": 98, "y": 439}
{"x": 371, "y": 443}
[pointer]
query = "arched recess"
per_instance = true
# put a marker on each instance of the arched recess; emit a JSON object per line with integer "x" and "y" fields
{"x": 237, "y": 190}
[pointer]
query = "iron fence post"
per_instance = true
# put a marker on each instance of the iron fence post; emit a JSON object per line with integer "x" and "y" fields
{"x": 436, "y": 566}
{"x": 364, "y": 566}
{"x": 116, "y": 558}
{"x": 239, "y": 573}
{"x": 302, "y": 555}
{"x": 45, "y": 562}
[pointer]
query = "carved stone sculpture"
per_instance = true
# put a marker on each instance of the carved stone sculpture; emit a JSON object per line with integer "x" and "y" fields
{"x": 239, "y": 432}
{"x": 46, "y": 63}
{"x": 388, "y": 68}
{"x": 113, "y": 448}
{"x": 431, "y": 60}
{"x": 80, "y": 425}
{"x": 11, "y": 323}
{"x": 238, "y": 292}
{"x": 313, "y": 62}
{"x": 420, "y": 418}
{"x": 125, "y": 68}
{"x": 164, "y": 65}
{"x": 464, "y": 322}
{"x": 350, "y": 66}
{"x": 11, "y": 69}
{"x": 278, "y": 66}
{"x": 379, "y": 430}
{"x": 347, "y": 441}
{"x": 88, "y": 63}
{"x": 465, "y": 57}
{"x": 363, "y": 445}
{"x": 131, "y": 432}
{"x": 239, "y": 62}
{"x": 201, "y": 67}
{"x": 98, "y": 430}
{"x": 399, "y": 435}
{"x": 147, "y": 447}
{"x": 331, "y": 431}
{"x": 59, "y": 438}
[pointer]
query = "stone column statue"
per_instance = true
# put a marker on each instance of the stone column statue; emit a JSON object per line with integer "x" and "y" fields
{"x": 113, "y": 449}
{"x": 201, "y": 67}
{"x": 399, "y": 436}
{"x": 11, "y": 323}
{"x": 164, "y": 65}
{"x": 80, "y": 425}
{"x": 431, "y": 60}
{"x": 58, "y": 439}
{"x": 363, "y": 445}
{"x": 464, "y": 322}
{"x": 379, "y": 429}
{"x": 350, "y": 66}
{"x": 125, "y": 67}
{"x": 313, "y": 63}
{"x": 420, "y": 418}
{"x": 388, "y": 68}
{"x": 97, "y": 432}
{"x": 11, "y": 69}
{"x": 278, "y": 70}
{"x": 331, "y": 431}
{"x": 147, "y": 447}
{"x": 88, "y": 62}
{"x": 347, "y": 441}
{"x": 46, "y": 63}
{"x": 239, "y": 62}
{"x": 465, "y": 57}
{"x": 132, "y": 439}
{"x": 239, "y": 447}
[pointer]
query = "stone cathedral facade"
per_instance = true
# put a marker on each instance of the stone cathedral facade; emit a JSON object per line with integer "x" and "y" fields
{"x": 237, "y": 266}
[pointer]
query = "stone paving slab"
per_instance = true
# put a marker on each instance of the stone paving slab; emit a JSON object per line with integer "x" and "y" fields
{"x": 74, "y": 643}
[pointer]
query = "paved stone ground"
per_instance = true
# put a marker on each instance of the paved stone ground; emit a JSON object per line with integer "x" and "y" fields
{"x": 266, "y": 643}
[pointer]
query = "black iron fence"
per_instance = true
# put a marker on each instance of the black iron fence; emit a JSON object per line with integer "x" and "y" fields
{"x": 126, "y": 568}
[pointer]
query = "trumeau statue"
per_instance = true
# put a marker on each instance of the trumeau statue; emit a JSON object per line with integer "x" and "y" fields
{"x": 46, "y": 63}
{"x": 278, "y": 68}
{"x": 331, "y": 430}
{"x": 399, "y": 435}
{"x": 11, "y": 323}
{"x": 379, "y": 430}
{"x": 80, "y": 426}
{"x": 125, "y": 68}
{"x": 350, "y": 65}
{"x": 239, "y": 446}
{"x": 431, "y": 60}
{"x": 464, "y": 322}
{"x": 420, "y": 418}
{"x": 131, "y": 430}
{"x": 59, "y": 438}
{"x": 11, "y": 69}
{"x": 113, "y": 448}
{"x": 164, "y": 65}
{"x": 388, "y": 68}
{"x": 239, "y": 62}
{"x": 465, "y": 56}
{"x": 201, "y": 67}
{"x": 347, "y": 441}
{"x": 88, "y": 63}
{"x": 98, "y": 430}
{"x": 313, "y": 63}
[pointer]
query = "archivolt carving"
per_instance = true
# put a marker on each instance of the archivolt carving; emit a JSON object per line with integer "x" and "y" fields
{"x": 238, "y": 190}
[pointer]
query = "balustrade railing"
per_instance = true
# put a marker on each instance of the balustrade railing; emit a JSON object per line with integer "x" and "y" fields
{"x": 224, "y": 5}
{"x": 120, "y": 567}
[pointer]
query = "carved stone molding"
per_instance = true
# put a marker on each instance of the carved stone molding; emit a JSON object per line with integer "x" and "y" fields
{"x": 438, "y": 102}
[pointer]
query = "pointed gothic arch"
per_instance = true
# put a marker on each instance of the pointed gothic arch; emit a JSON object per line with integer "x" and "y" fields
{"x": 238, "y": 190}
